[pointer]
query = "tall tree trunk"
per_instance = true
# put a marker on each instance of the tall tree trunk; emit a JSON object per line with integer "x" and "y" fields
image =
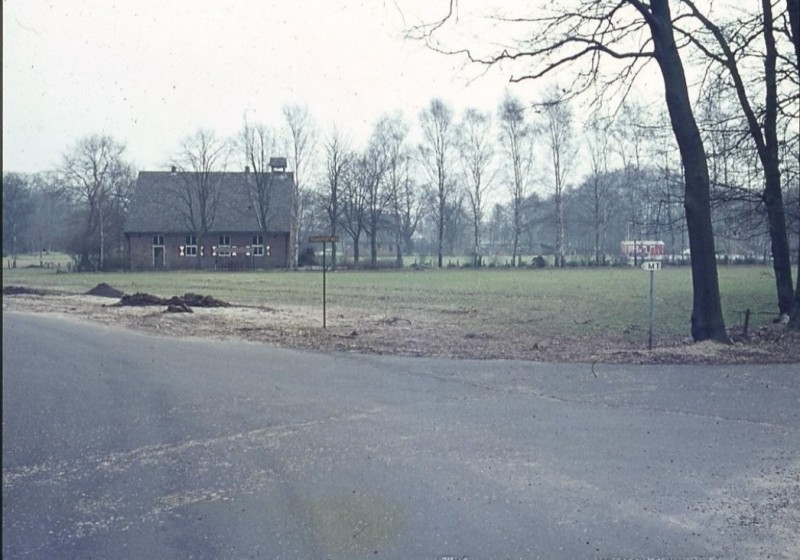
{"x": 794, "y": 24}
{"x": 373, "y": 244}
{"x": 356, "y": 251}
{"x": 441, "y": 226}
{"x": 707, "y": 320}
{"x": 773, "y": 195}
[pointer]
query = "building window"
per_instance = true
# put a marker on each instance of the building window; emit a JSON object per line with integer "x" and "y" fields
{"x": 258, "y": 246}
{"x": 158, "y": 241}
{"x": 224, "y": 249}
{"x": 191, "y": 246}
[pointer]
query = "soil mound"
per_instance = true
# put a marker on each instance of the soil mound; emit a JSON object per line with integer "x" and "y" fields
{"x": 195, "y": 300}
{"x": 22, "y": 290}
{"x": 140, "y": 299}
{"x": 104, "y": 290}
{"x": 187, "y": 300}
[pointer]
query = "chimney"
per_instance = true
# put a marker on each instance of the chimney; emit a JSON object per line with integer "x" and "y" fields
{"x": 247, "y": 169}
{"x": 174, "y": 169}
{"x": 277, "y": 164}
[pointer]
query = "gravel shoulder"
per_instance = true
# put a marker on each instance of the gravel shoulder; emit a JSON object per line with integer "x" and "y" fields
{"x": 352, "y": 330}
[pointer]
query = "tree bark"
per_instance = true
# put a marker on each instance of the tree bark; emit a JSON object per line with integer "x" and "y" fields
{"x": 706, "y": 320}
{"x": 773, "y": 195}
{"x": 794, "y": 23}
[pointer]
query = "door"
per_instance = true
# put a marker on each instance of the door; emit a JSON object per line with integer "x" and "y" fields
{"x": 158, "y": 258}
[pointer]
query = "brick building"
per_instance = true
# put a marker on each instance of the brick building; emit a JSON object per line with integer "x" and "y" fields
{"x": 163, "y": 230}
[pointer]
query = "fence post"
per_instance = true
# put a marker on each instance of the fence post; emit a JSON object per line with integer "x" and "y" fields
{"x": 746, "y": 322}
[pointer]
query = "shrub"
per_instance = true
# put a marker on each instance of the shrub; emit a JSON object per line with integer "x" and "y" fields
{"x": 538, "y": 262}
{"x": 307, "y": 257}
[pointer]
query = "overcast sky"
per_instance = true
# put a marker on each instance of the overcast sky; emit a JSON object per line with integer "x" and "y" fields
{"x": 152, "y": 72}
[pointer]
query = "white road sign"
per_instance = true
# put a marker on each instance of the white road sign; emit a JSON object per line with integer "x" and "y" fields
{"x": 651, "y": 266}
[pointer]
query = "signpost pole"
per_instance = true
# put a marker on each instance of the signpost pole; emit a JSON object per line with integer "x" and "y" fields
{"x": 650, "y": 327}
{"x": 324, "y": 239}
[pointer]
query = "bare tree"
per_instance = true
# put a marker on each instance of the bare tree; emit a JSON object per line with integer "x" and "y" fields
{"x": 408, "y": 207}
{"x": 476, "y": 153}
{"x": 633, "y": 32}
{"x": 354, "y": 197}
{"x": 375, "y": 167}
{"x": 16, "y": 210}
{"x": 94, "y": 172}
{"x": 302, "y": 139}
{"x": 50, "y": 214}
{"x": 632, "y": 133}
{"x": 558, "y": 136}
{"x": 516, "y": 137}
{"x": 200, "y": 159}
{"x": 257, "y": 145}
{"x": 598, "y": 142}
{"x": 793, "y": 8}
{"x": 730, "y": 51}
{"x": 337, "y": 163}
{"x": 398, "y": 183}
{"x": 436, "y": 150}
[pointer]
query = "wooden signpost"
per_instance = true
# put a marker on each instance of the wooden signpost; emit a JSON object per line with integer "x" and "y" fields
{"x": 324, "y": 239}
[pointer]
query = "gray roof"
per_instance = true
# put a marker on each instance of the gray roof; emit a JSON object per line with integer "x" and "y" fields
{"x": 158, "y": 206}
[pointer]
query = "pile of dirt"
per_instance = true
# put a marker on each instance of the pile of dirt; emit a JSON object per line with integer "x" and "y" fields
{"x": 140, "y": 299}
{"x": 195, "y": 300}
{"x": 104, "y": 290}
{"x": 22, "y": 290}
{"x": 184, "y": 302}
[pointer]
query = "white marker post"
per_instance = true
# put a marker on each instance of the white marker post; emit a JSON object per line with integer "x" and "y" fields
{"x": 651, "y": 267}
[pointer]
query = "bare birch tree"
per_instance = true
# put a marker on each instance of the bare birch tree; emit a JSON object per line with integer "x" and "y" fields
{"x": 516, "y": 138}
{"x": 476, "y": 152}
{"x": 302, "y": 139}
{"x": 436, "y": 153}
{"x": 558, "y": 136}
{"x": 598, "y": 142}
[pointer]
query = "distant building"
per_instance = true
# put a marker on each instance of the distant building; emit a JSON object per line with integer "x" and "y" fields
{"x": 644, "y": 250}
{"x": 159, "y": 233}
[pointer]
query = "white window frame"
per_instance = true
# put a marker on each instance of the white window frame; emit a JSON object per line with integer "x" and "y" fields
{"x": 190, "y": 250}
{"x": 224, "y": 247}
{"x": 258, "y": 246}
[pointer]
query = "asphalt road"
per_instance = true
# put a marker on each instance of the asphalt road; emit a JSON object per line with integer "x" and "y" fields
{"x": 122, "y": 445}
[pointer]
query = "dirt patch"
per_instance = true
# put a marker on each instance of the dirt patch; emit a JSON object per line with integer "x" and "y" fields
{"x": 21, "y": 290}
{"x": 357, "y": 330}
{"x": 104, "y": 290}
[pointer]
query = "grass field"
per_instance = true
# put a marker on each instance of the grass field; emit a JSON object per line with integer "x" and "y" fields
{"x": 575, "y": 301}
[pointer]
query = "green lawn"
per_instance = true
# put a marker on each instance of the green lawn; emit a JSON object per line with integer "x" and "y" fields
{"x": 574, "y": 301}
